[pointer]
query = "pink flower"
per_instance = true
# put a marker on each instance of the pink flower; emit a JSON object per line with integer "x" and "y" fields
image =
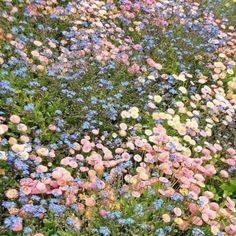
{"x": 165, "y": 168}
{"x": 3, "y": 129}
{"x": 61, "y": 173}
{"x": 26, "y": 190}
{"x": 86, "y": 147}
{"x": 90, "y": 202}
{"x": 41, "y": 169}
{"x": 134, "y": 69}
{"x": 52, "y": 127}
{"x": 154, "y": 64}
{"x": 197, "y": 221}
{"x": 102, "y": 212}
{"x": 41, "y": 187}
{"x": 177, "y": 211}
{"x": 137, "y": 47}
{"x": 136, "y": 7}
{"x": 193, "y": 208}
{"x": 17, "y": 227}
{"x": 65, "y": 161}
{"x": 230, "y": 229}
{"x": 196, "y": 189}
{"x": 124, "y": 58}
{"x": 136, "y": 194}
{"x": 125, "y": 156}
{"x": 214, "y": 206}
{"x": 230, "y": 204}
{"x": 210, "y": 170}
{"x": 231, "y": 151}
{"x": 12, "y": 193}
{"x": 107, "y": 154}
{"x": 224, "y": 174}
{"x": 231, "y": 162}
{"x": 79, "y": 157}
{"x": 73, "y": 164}
{"x": 208, "y": 194}
{"x": 205, "y": 217}
{"x": 126, "y": 5}
{"x": 15, "y": 119}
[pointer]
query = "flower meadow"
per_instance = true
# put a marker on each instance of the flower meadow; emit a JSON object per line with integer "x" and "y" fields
{"x": 118, "y": 117}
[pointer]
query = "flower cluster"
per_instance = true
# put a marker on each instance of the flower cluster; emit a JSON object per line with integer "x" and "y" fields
{"x": 117, "y": 117}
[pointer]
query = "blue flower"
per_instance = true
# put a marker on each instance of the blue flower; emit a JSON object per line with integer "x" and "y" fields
{"x": 104, "y": 231}
{"x": 70, "y": 221}
{"x": 56, "y": 208}
{"x": 139, "y": 210}
{"x": 197, "y": 232}
{"x": 29, "y": 107}
{"x": 128, "y": 221}
{"x": 177, "y": 197}
{"x": 8, "y": 204}
{"x": 220, "y": 233}
{"x": 11, "y": 220}
{"x": 27, "y": 230}
{"x": 168, "y": 228}
{"x": 160, "y": 232}
{"x": 158, "y": 204}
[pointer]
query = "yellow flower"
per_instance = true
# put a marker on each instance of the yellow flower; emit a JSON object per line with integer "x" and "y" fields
{"x": 116, "y": 206}
{"x": 182, "y": 130}
{"x": 1, "y": 61}
{"x": 89, "y": 213}
{"x": 155, "y": 115}
{"x": 122, "y": 133}
{"x": 125, "y": 114}
{"x": 18, "y": 147}
{"x": 138, "y": 126}
{"x": 183, "y": 90}
{"x": 214, "y": 230}
{"x": 134, "y": 112}
{"x": 157, "y": 98}
{"x": 187, "y": 138}
{"x": 102, "y": 12}
{"x": 148, "y": 132}
{"x": 187, "y": 152}
{"x": 176, "y": 118}
{"x": 168, "y": 116}
{"x": 171, "y": 111}
{"x": 210, "y": 105}
{"x": 12, "y": 141}
{"x": 184, "y": 191}
{"x": 77, "y": 223}
{"x": 37, "y": 43}
{"x": 24, "y": 155}
{"x": 76, "y": 146}
{"x": 179, "y": 104}
{"x": 178, "y": 221}
{"x": 162, "y": 115}
{"x": 2, "y": 171}
{"x": 42, "y": 151}
{"x": 166, "y": 218}
{"x": 182, "y": 110}
{"x": 134, "y": 109}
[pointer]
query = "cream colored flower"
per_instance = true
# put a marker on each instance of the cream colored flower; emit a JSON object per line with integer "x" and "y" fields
{"x": 157, "y": 98}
